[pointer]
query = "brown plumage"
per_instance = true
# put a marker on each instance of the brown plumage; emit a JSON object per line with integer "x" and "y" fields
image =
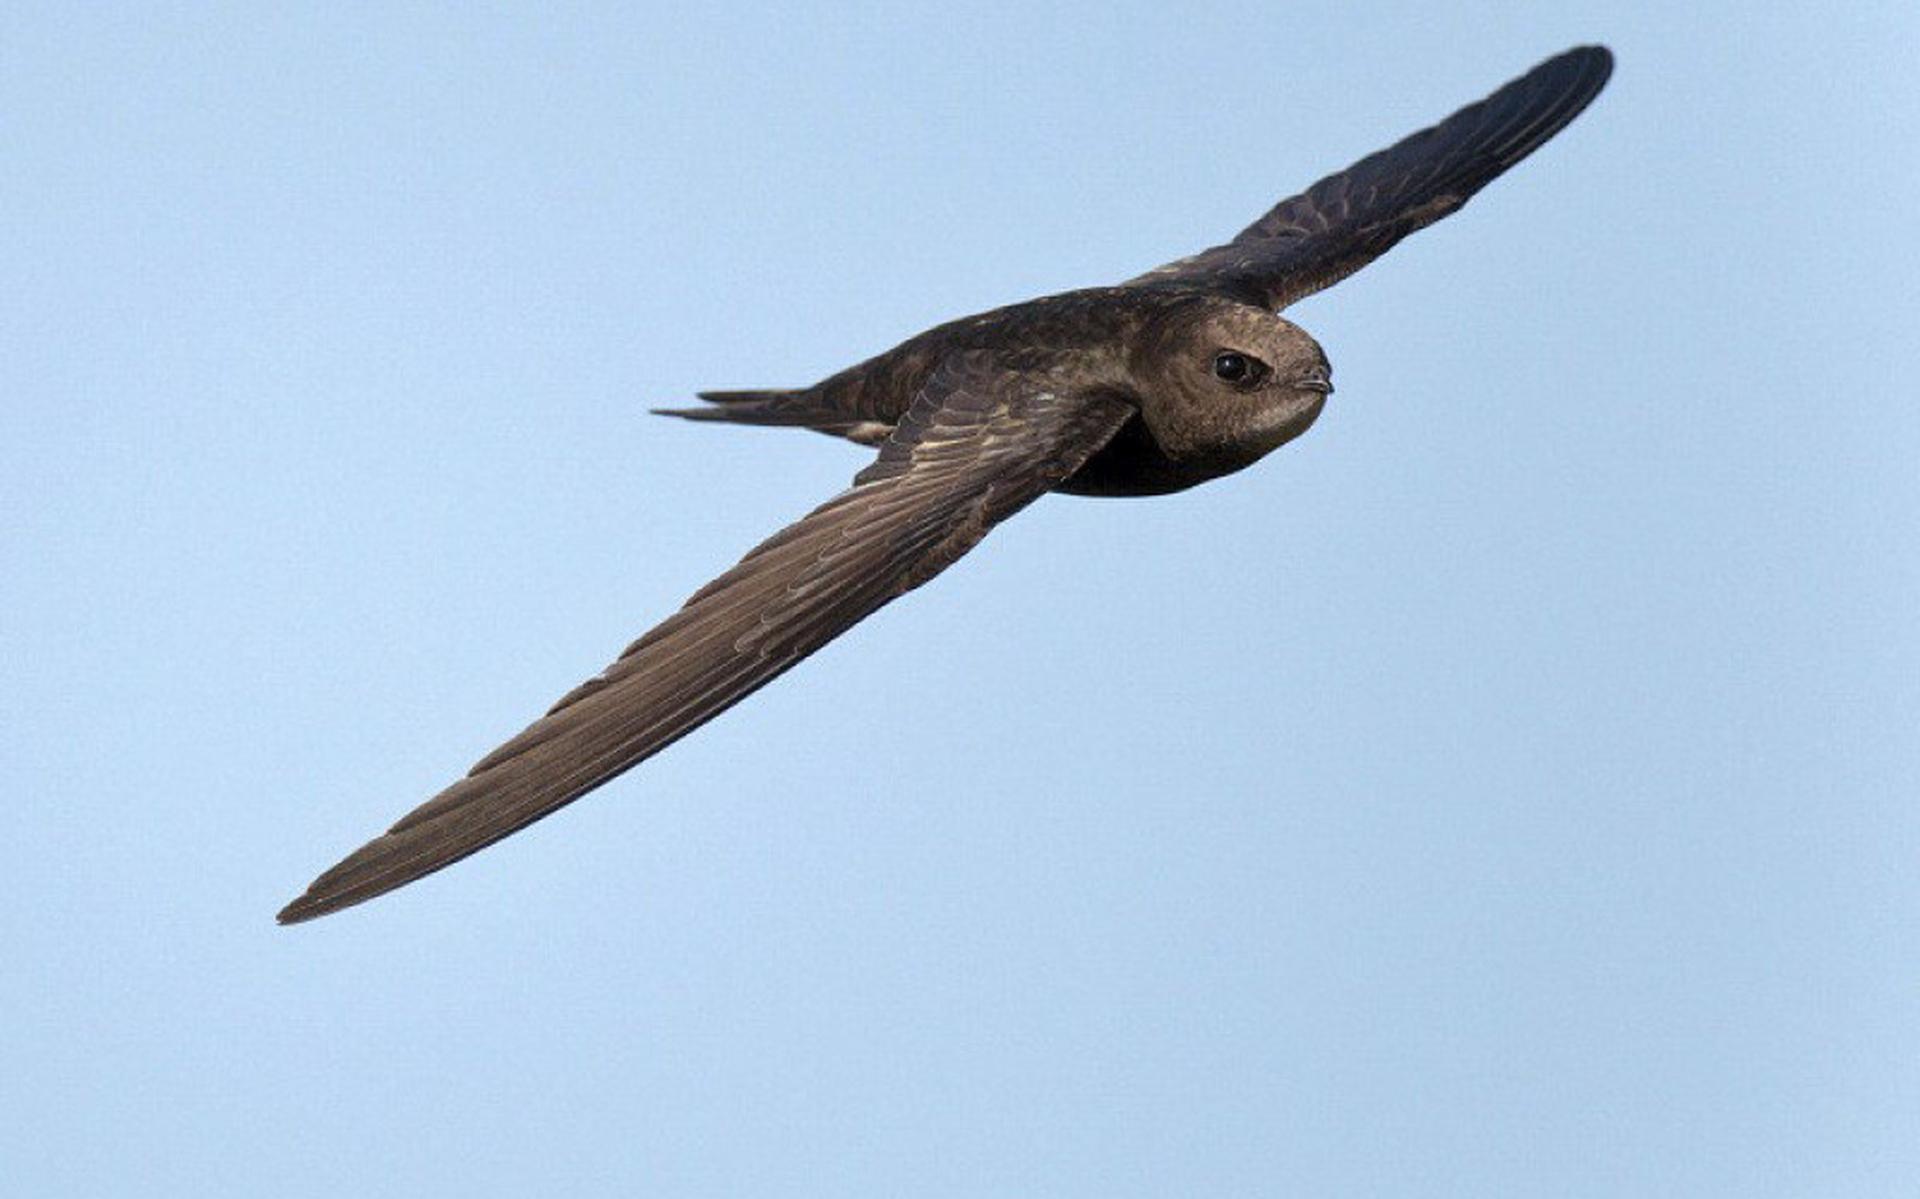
{"x": 1173, "y": 378}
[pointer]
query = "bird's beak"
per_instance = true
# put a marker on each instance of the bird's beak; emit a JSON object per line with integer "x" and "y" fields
{"x": 1316, "y": 379}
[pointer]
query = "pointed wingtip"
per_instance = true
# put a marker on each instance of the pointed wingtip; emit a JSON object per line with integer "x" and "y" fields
{"x": 301, "y": 910}
{"x": 1593, "y": 56}
{"x": 349, "y": 882}
{"x": 331, "y": 892}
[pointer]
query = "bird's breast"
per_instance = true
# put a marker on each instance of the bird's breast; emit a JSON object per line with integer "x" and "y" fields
{"x": 1141, "y": 461}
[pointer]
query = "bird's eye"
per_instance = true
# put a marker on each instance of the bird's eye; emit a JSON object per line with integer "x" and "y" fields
{"x": 1241, "y": 370}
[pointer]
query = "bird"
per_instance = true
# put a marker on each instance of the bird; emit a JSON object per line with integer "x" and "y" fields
{"x": 1161, "y": 383}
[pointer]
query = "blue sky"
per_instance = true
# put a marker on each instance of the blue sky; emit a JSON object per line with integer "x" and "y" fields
{"x": 1509, "y": 788}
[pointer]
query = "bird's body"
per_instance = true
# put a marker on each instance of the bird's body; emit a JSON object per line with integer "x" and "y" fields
{"x": 1095, "y": 339}
{"x": 1176, "y": 377}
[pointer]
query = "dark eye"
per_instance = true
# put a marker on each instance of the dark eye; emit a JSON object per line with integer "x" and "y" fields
{"x": 1241, "y": 370}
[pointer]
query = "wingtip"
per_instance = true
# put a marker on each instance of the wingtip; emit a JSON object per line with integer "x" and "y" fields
{"x": 328, "y": 894}
{"x": 316, "y": 903}
{"x": 298, "y": 912}
{"x": 1593, "y": 55}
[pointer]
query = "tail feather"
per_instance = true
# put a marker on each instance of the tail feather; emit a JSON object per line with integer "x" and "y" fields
{"x": 789, "y": 408}
{"x": 765, "y": 407}
{"x": 760, "y": 395}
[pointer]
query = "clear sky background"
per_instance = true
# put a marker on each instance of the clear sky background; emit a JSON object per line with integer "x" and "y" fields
{"x": 1511, "y": 788}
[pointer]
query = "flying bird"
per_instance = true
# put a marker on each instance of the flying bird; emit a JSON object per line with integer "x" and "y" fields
{"x": 1178, "y": 376}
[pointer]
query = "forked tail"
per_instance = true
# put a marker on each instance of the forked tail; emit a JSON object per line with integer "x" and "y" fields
{"x": 789, "y": 408}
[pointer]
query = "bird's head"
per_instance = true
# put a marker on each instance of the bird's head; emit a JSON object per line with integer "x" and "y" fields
{"x": 1225, "y": 381}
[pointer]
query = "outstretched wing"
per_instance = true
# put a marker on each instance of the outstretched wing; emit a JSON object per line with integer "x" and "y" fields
{"x": 1319, "y": 237}
{"x": 978, "y": 444}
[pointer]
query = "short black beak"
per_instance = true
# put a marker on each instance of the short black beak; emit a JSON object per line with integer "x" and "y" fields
{"x": 1316, "y": 380}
